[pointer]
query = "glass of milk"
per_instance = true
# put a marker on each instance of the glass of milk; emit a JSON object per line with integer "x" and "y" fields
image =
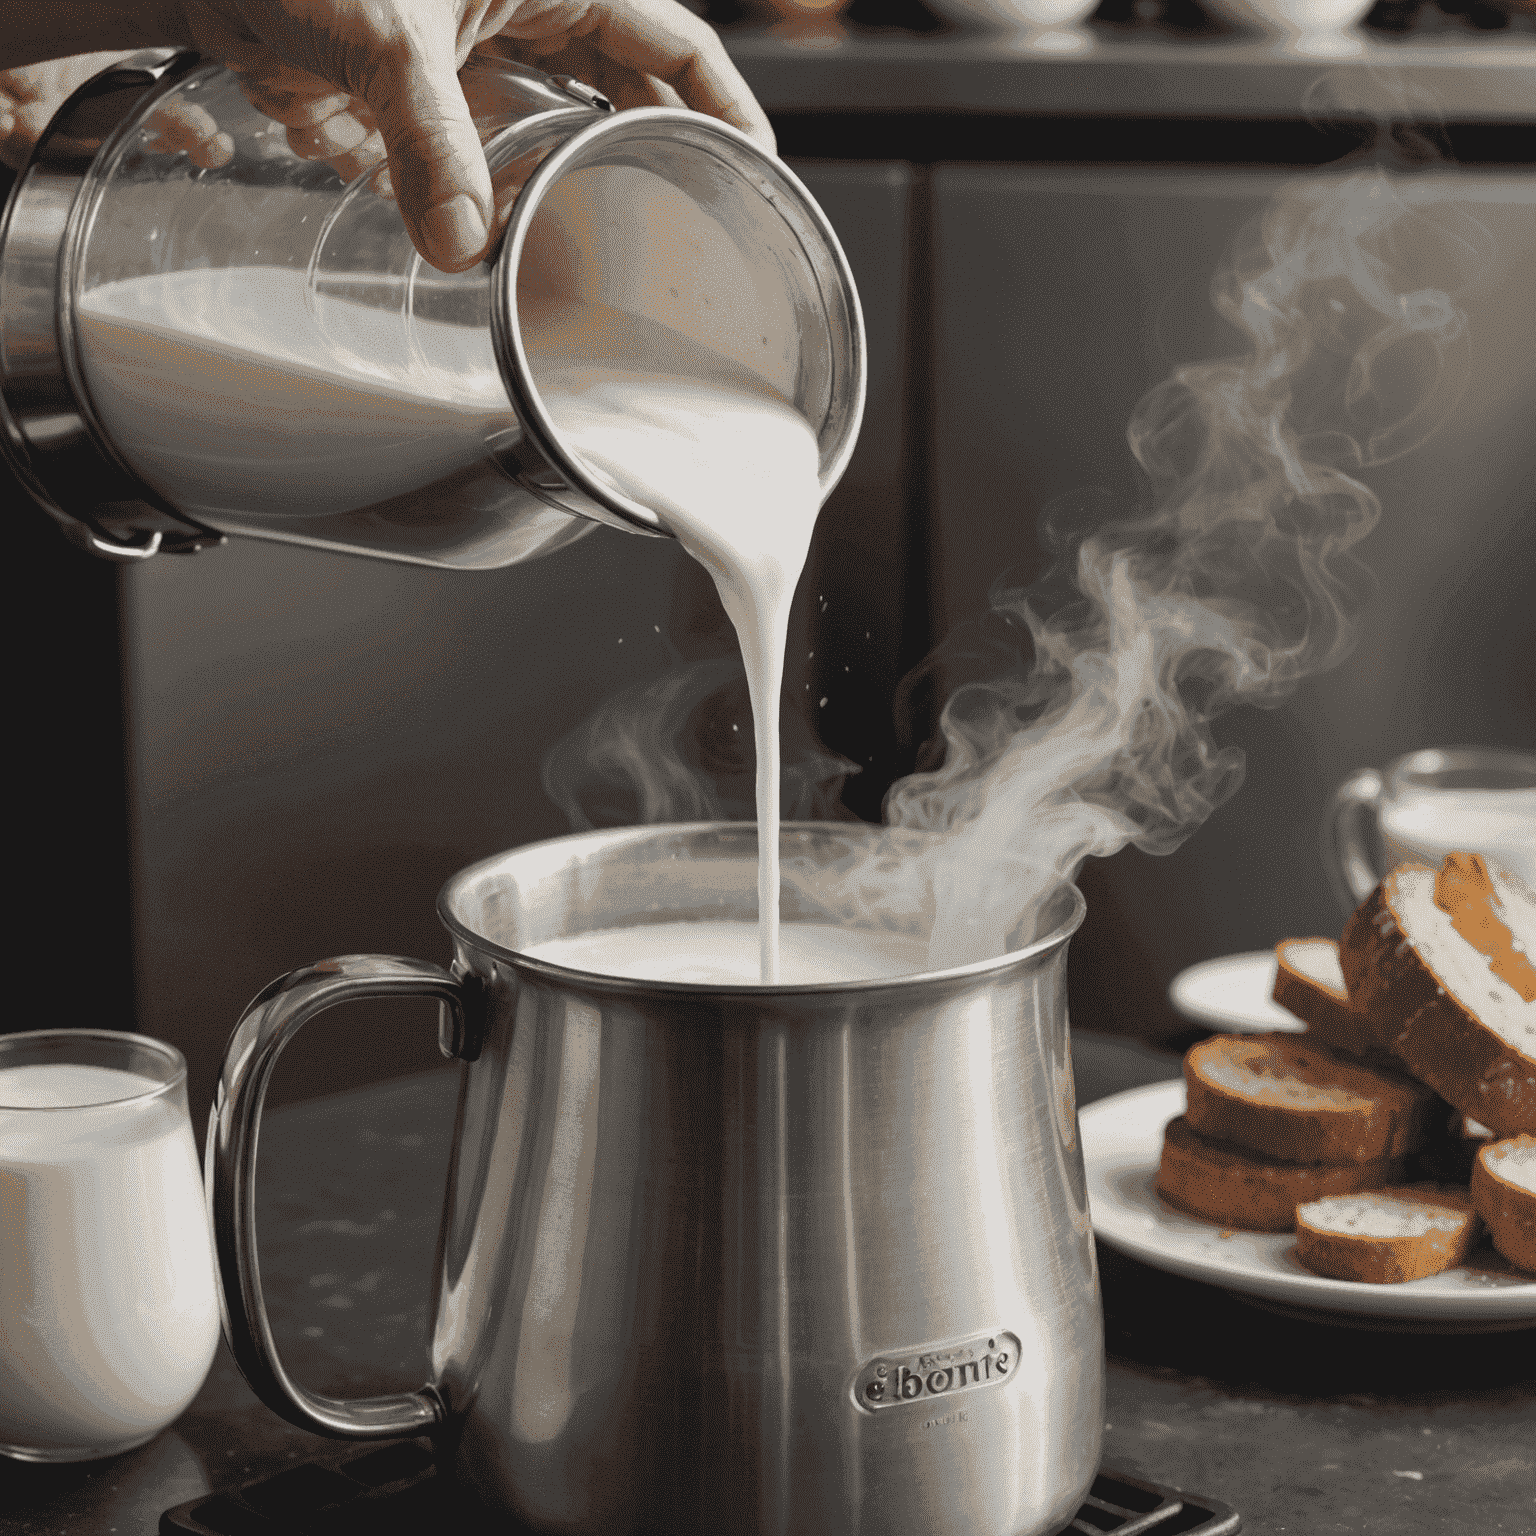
{"x": 108, "y": 1313}
{"x": 1436, "y": 801}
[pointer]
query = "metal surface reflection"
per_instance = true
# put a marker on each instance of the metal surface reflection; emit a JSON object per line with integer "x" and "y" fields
{"x": 689, "y": 1228}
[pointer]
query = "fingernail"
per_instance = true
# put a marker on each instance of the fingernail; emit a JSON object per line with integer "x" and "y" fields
{"x": 341, "y": 133}
{"x": 455, "y": 230}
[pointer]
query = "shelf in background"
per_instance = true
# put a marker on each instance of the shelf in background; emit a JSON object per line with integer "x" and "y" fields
{"x": 1460, "y": 75}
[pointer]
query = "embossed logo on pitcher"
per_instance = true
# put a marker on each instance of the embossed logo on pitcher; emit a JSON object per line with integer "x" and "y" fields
{"x": 936, "y": 1370}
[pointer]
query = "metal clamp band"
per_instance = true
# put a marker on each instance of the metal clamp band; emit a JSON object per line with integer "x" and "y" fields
{"x": 584, "y": 93}
{"x": 49, "y": 434}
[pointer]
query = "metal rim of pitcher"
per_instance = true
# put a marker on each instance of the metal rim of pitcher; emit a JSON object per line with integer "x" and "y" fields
{"x": 512, "y": 356}
{"x": 597, "y": 981}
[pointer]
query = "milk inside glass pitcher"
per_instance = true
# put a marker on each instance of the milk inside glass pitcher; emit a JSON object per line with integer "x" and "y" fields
{"x": 256, "y": 349}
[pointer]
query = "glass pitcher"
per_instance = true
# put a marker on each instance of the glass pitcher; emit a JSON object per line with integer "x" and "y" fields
{"x": 255, "y": 348}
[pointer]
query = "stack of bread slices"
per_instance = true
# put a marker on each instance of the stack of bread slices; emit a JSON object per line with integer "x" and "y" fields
{"x": 1403, "y": 1121}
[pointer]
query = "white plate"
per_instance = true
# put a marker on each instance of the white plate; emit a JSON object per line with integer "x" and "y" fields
{"x": 1122, "y": 1141}
{"x": 1232, "y": 994}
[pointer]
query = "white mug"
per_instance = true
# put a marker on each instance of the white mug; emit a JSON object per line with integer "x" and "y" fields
{"x": 109, "y": 1315}
{"x": 1430, "y": 803}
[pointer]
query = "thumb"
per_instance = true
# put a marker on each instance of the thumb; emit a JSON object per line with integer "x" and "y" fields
{"x": 436, "y": 163}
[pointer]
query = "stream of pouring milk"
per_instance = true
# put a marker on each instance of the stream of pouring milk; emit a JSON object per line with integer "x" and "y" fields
{"x": 227, "y": 390}
{"x": 727, "y": 466}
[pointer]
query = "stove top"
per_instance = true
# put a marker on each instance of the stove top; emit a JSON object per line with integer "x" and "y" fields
{"x": 396, "y": 1491}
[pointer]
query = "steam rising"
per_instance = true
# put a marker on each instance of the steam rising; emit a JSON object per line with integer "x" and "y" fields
{"x": 1231, "y": 584}
{"x": 1237, "y": 582}
{"x": 680, "y": 748}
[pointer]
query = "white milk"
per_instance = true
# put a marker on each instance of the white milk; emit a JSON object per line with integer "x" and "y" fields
{"x": 727, "y": 466}
{"x": 1425, "y": 825}
{"x": 324, "y": 407}
{"x": 725, "y": 953}
{"x": 108, "y": 1313}
{"x": 685, "y": 411}
{"x": 321, "y": 404}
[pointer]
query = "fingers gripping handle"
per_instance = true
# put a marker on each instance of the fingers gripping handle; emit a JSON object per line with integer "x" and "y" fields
{"x": 271, "y": 1021}
{"x": 1346, "y": 846}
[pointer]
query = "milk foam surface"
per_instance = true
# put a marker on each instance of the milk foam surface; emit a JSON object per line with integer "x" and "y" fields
{"x": 725, "y": 953}
{"x": 108, "y": 1314}
{"x": 49, "y": 1085}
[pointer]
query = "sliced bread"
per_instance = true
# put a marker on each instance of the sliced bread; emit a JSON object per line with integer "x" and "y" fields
{"x": 1234, "y": 1188}
{"x": 1310, "y": 983}
{"x": 1386, "y": 1236}
{"x": 1504, "y": 1193}
{"x": 1291, "y": 1101}
{"x": 1437, "y": 965}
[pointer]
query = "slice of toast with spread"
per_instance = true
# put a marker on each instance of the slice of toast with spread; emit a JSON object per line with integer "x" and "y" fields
{"x": 1310, "y": 983}
{"x": 1440, "y": 967}
{"x": 1504, "y": 1194}
{"x": 1289, "y": 1100}
{"x": 1234, "y": 1187}
{"x": 1386, "y": 1236}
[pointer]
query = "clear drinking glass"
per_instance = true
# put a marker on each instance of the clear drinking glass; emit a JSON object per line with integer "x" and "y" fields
{"x": 108, "y": 1313}
{"x": 1430, "y": 803}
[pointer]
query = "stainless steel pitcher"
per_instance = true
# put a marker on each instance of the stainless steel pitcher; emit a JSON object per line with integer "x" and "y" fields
{"x": 736, "y": 1260}
{"x": 241, "y": 342}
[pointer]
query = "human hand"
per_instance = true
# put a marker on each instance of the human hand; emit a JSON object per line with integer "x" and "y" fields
{"x": 354, "y": 81}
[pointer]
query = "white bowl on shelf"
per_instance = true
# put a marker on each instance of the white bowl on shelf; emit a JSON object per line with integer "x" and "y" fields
{"x": 1015, "y": 15}
{"x": 1324, "y": 27}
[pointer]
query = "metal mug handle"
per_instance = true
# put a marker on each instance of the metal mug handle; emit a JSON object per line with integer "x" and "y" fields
{"x": 234, "y": 1124}
{"x": 1346, "y": 851}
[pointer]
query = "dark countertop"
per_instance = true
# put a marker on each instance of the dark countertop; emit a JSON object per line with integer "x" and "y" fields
{"x": 1302, "y": 1428}
{"x": 1098, "y": 71}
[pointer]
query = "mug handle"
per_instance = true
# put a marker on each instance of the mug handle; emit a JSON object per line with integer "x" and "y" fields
{"x": 1346, "y": 853}
{"x": 267, "y": 1025}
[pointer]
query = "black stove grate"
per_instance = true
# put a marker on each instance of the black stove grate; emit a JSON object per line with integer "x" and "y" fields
{"x": 394, "y": 1491}
{"x": 1127, "y": 1506}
